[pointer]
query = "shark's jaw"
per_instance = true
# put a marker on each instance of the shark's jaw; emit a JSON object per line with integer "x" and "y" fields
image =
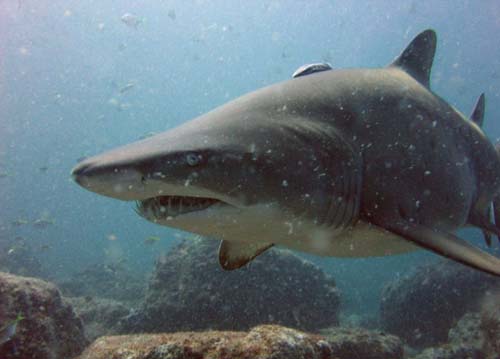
{"x": 164, "y": 208}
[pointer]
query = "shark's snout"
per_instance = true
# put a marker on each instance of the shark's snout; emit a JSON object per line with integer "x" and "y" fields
{"x": 80, "y": 173}
{"x": 109, "y": 179}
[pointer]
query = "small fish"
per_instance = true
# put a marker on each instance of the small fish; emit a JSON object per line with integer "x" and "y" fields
{"x": 4, "y": 174}
{"x": 8, "y": 330}
{"x": 57, "y": 97}
{"x": 131, "y": 20}
{"x": 171, "y": 14}
{"x": 20, "y": 222}
{"x": 110, "y": 268}
{"x": 152, "y": 240}
{"x": 120, "y": 106}
{"x": 43, "y": 222}
{"x": 43, "y": 169}
{"x": 127, "y": 87}
{"x": 44, "y": 247}
{"x": 124, "y": 106}
{"x": 81, "y": 159}
{"x": 111, "y": 237}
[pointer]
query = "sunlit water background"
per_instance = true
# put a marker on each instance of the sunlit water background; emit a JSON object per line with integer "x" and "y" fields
{"x": 63, "y": 64}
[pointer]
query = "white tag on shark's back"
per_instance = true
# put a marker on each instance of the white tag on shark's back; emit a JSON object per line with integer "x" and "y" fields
{"x": 311, "y": 68}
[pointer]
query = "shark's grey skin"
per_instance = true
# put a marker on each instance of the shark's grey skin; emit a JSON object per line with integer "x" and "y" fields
{"x": 357, "y": 162}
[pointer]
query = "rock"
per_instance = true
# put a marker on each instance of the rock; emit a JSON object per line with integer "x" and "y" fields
{"x": 50, "y": 329}
{"x": 19, "y": 258}
{"x": 423, "y": 307}
{"x": 451, "y": 352}
{"x": 465, "y": 341}
{"x": 475, "y": 335}
{"x": 189, "y": 291}
{"x": 263, "y": 342}
{"x": 99, "y": 315}
{"x": 359, "y": 320}
{"x": 467, "y": 332}
{"x": 362, "y": 343}
{"x": 490, "y": 325}
{"x": 104, "y": 281}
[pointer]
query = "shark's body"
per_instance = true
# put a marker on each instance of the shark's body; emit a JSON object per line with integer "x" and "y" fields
{"x": 357, "y": 162}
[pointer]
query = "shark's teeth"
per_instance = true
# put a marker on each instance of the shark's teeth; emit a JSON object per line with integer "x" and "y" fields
{"x": 163, "y": 207}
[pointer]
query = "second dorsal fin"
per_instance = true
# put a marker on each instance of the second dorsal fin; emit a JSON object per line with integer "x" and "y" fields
{"x": 477, "y": 115}
{"x": 418, "y": 56}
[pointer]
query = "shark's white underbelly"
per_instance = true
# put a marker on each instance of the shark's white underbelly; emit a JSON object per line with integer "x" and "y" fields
{"x": 361, "y": 240}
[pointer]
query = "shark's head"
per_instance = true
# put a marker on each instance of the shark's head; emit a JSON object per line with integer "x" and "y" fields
{"x": 223, "y": 174}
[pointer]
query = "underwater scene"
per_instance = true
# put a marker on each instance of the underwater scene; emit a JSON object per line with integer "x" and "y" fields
{"x": 259, "y": 179}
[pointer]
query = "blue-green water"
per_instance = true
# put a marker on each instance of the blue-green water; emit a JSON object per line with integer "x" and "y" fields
{"x": 63, "y": 65}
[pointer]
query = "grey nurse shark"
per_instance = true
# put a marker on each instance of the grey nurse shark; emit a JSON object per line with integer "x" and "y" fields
{"x": 348, "y": 163}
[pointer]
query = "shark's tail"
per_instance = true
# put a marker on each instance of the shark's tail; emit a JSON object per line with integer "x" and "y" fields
{"x": 482, "y": 218}
{"x": 496, "y": 203}
{"x": 490, "y": 225}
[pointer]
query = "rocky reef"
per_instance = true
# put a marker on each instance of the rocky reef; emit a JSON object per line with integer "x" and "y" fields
{"x": 465, "y": 341}
{"x": 490, "y": 324}
{"x": 19, "y": 258}
{"x": 451, "y": 352}
{"x": 46, "y": 328}
{"x": 362, "y": 343}
{"x": 189, "y": 291}
{"x": 263, "y": 342}
{"x": 99, "y": 315}
{"x": 423, "y": 307}
{"x": 105, "y": 280}
{"x": 102, "y": 295}
{"x": 274, "y": 308}
{"x": 476, "y": 335}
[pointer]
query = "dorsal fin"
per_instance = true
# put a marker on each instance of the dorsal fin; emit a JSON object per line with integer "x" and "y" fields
{"x": 418, "y": 56}
{"x": 477, "y": 115}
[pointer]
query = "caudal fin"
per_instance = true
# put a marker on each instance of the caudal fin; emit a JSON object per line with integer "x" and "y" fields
{"x": 496, "y": 201}
{"x": 496, "y": 213}
{"x": 482, "y": 216}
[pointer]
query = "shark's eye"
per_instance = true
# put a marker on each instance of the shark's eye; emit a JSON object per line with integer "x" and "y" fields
{"x": 193, "y": 159}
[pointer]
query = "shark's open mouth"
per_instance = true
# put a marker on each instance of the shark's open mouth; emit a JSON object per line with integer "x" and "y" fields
{"x": 165, "y": 207}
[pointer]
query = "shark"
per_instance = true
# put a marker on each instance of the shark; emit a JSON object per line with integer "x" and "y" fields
{"x": 354, "y": 162}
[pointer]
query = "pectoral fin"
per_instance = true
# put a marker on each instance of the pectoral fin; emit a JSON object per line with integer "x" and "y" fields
{"x": 448, "y": 245}
{"x": 233, "y": 255}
